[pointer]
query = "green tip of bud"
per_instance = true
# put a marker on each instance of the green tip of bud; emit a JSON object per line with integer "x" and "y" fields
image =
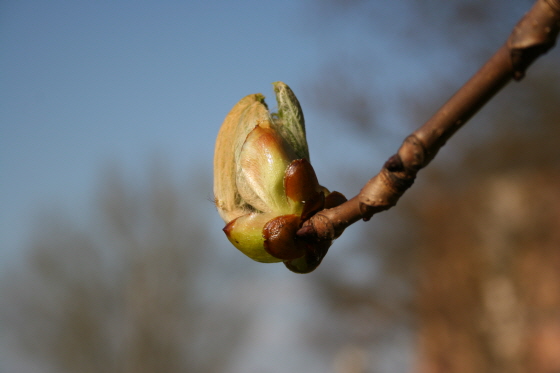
{"x": 246, "y": 234}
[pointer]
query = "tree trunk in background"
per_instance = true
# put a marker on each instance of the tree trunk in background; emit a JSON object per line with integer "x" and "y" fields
{"x": 489, "y": 289}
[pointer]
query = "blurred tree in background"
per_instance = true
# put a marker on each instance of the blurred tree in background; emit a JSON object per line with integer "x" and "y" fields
{"x": 126, "y": 294}
{"x": 489, "y": 253}
{"x": 469, "y": 260}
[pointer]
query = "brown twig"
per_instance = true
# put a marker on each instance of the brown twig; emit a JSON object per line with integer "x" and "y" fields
{"x": 533, "y": 36}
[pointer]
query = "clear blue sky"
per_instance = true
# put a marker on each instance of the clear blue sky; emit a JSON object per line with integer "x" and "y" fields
{"x": 83, "y": 84}
{"x": 87, "y": 84}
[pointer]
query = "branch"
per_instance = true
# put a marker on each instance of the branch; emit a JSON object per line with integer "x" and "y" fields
{"x": 533, "y": 36}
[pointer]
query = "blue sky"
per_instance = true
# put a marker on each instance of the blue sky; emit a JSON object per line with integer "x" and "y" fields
{"x": 87, "y": 84}
{"x": 84, "y": 84}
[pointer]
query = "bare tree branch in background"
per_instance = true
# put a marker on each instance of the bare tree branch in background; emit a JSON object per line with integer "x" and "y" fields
{"x": 534, "y": 35}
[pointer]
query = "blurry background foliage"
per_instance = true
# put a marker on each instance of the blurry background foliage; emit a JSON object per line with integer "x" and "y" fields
{"x": 463, "y": 275}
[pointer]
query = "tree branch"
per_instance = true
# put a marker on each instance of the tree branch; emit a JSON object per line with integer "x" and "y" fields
{"x": 533, "y": 36}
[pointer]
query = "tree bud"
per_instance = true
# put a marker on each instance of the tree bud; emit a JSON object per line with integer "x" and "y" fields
{"x": 264, "y": 185}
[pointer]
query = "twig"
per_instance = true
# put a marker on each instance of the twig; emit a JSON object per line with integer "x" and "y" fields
{"x": 533, "y": 36}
